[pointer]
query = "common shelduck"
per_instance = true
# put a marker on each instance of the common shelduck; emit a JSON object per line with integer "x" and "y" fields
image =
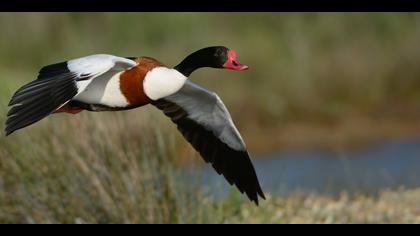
{"x": 109, "y": 83}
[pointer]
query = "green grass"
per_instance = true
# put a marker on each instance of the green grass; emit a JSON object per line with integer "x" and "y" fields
{"x": 122, "y": 172}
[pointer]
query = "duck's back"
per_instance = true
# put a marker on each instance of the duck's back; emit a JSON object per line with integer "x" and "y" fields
{"x": 118, "y": 89}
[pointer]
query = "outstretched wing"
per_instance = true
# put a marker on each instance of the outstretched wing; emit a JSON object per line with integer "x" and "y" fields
{"x": 204, "y": 121}
{"x": 55, "y": 85}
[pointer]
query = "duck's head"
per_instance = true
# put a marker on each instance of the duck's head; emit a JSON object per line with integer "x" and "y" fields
{"x": 215, "y": 57}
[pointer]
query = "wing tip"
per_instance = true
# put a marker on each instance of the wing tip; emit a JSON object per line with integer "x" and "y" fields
{"x": 254, "y": 190}
{"x": 254, "y": 195}
{"x": 7, "y": 132}
{"x": 255, "y": 199}
{"x": 261, "y": 194}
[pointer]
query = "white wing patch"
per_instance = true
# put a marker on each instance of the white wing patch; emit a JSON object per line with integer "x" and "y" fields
{"x": 162, "y": 81}
{"x": 94, "y": 65}
{"x": 104, "y": 89}
{"x": 102, "y": 84}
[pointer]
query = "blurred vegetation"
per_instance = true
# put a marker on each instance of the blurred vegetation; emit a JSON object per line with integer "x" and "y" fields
{"x": 126, "y": 171}
{"x": 327, "y": 69}
{"x": 123, "y": 172}
{"x": 397, "y": 206}
{"x": 313, "y": 77}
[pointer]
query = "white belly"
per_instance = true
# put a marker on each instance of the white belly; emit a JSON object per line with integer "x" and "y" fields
{"x": 104, "y": 89}
{"x": 162, "y": 81}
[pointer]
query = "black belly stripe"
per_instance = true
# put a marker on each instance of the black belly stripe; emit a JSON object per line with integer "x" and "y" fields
{"x": 98, "y": 107}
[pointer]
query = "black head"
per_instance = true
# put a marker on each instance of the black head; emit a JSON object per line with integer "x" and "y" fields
{"x": 215, "y": 57}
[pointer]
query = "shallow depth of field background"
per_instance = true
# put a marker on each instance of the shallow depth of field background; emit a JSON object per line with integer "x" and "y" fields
{"x": 329, "y": 109}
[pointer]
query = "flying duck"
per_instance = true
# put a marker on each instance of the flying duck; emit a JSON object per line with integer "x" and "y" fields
{"x": 105, "y": 82}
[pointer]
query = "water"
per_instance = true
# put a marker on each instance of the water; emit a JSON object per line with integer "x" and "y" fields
{"x": 391, "y": 164}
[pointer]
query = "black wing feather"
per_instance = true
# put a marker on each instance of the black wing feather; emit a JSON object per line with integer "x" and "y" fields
{"x": 54, "y": 87}
{"x": 53, "y": 70}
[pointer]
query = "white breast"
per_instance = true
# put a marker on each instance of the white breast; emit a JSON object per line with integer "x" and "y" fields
{"x": 161, "y": 82}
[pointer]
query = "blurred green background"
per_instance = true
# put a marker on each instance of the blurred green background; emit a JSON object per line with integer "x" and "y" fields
{"x": 309, "y": 71}
{"x": 315, "y": 79}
